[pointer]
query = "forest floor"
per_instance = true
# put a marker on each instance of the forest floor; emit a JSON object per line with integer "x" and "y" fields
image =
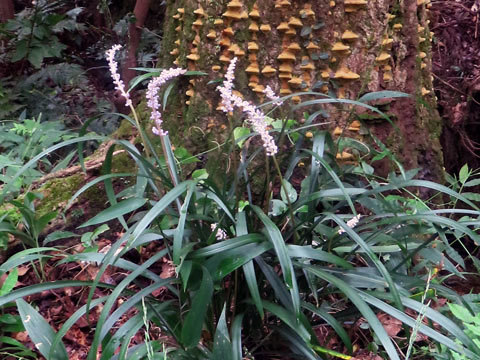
{"x": 456, "y": 71}
{"x": 456, "y": 65}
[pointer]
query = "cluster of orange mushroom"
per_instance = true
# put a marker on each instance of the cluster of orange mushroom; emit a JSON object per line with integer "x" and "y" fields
{"x": 234, "y": 12}
{"x": 176, "y": 51}
{"x": 253, "y": 69}
{"x": 423, "y": 35}
{"x": 288, "y": 56}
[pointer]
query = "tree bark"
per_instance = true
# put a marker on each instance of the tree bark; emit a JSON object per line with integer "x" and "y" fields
{"x": 135, "y": 33}
{"x": 343, "y": 50}
{"x": 7, "y": 10}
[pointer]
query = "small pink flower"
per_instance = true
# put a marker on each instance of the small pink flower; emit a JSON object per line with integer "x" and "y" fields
{"x": 112, "y": 64}
{"x": 152, "y": 97}
{"x": 220, "y": 234}
{"x": 351, "y": 223}
{"x": 271, "y": 96}
{"x": 255, "y": 117}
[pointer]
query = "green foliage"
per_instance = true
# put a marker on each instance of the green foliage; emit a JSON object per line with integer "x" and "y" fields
{"x": 21, "y": 141}
{"x": 302, "y": 247}
{"x": 32, "y": 224}
{"x": 34, "y": 32}
{"x": 11, "y": 324}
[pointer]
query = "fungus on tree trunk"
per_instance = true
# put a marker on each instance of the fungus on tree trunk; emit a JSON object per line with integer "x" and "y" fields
{"x": 343, "y": 48}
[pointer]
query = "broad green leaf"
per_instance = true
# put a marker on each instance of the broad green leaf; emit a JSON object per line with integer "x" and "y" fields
{"x": 200, "y": 174}
{"x": 9, "y": 282}
{"x": 461, "y": 313}
{"x": 464, "y": 174}
{"x": 471, "y": 196}
{"x": 40, "y": 332}
{"x": 290, "y": 195}
{"x": 114, "y": 211}
{"x": 240, "y": 135}
{"x": 193, "y": 324}
{"x": 35, "y": 57}
{"x": 278, "y": 207}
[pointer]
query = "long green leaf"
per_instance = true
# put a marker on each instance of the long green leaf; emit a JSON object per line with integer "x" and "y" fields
{"x": 108, "y": 184}
{"x": 222, "y": 346}
{"x": 358, "y": 239}
{"x": 382, "y": 95}
{"x": 307, "y": 252}
{"x": 122, "y": 337}
{"x": 423, "y": 328}
{"x": 34, "y": 289}
{"x": 364, "y": 309}
{"x": 222, "y": 264}
{"x": 98, "y": 337}
{"x": 9, "y": 282}
{"x": 249, "y": 269}
{"x": 131, "y": 238}
{"x": 179, "y": 232}
{"x": 115, "y": 211}
{"x": 330, "y": 320}
{"x": 23, "y": 257}
{"x": 40, "y": 332}
{"x": 92, "y": 183}
{"x": 193, "y": 324}
{"x": 237, "y": 351}
{"x": 335, "y": 178}
{"x": 287, "y": 318}
{"x": 275, "y": 236}
{"x": 226, "y": 245}
{"x": 131, "y": 302}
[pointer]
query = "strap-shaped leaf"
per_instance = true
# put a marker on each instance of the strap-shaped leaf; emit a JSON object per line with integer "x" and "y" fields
{"x": 275, "y": 236}
{"x": 193, "y": 324}
{"x": 40, "y": 332}
{"x": 116, "y": 211}
{"x": 222, "y": 346}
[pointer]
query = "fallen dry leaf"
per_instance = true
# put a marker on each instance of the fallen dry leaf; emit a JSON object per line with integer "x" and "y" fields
{"x": 392, "y": 326}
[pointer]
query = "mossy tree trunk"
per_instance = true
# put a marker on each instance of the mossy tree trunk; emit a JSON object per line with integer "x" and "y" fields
{"x": 328, "y": 46}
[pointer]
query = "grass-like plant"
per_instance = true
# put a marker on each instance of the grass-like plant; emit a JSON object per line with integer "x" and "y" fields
{"x": 258, "y": 271}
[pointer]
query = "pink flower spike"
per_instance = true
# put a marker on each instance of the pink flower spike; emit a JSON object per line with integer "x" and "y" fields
{"x": 255, "y": 117}
{"x": 271, "y": 96}
{"x": 152, "y": 97}
{"x": 112, "y": 64}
